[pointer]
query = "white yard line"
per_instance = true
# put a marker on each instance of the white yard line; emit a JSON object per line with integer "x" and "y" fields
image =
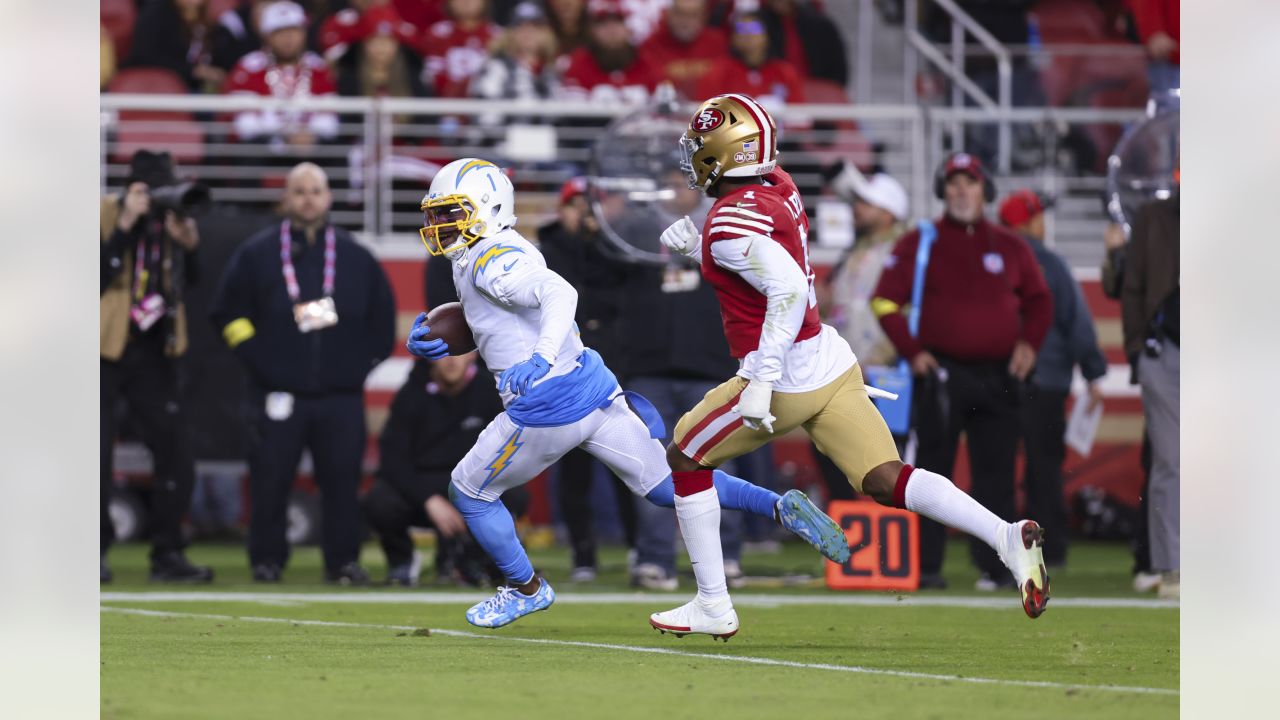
{"x": 660, "y": 651}
{"x": 1003, "y": 601}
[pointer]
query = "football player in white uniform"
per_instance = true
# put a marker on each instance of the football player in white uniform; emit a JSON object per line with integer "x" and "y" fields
{"x": 558, "y": 394}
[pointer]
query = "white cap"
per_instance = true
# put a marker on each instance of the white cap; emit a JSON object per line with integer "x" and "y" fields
{"x": 880, "y": 190}
{"x": 282, "y": 15}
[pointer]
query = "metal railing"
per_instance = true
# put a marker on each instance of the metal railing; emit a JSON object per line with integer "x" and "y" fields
{"x": 387, "y": 150}
{"x": 953, "y": 68}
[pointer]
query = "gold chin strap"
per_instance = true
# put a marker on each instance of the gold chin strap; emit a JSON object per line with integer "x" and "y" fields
{"x": 430, "y": 233}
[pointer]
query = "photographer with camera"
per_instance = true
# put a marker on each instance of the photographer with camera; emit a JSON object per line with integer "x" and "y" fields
{"x": 148, "y": 245}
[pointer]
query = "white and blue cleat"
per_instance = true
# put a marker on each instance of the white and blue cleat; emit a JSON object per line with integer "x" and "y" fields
{"x": 510, "y": 605}
{"x": 802, "y": 517}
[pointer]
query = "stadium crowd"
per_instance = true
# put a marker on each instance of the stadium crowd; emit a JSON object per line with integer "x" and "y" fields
{"x": 1007, "y": 386}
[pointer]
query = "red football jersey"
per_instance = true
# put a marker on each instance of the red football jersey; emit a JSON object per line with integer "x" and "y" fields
{"x": 258, "y": 73}
{"x": 776, "y": 212}
{"x": 685, "y": 64}
{"x": 776, "y": 79}
{"x": 454, "y": 56}
{"x": 583, "y": 78}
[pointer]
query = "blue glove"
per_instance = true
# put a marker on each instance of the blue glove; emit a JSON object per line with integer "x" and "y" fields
{"x": 430, "y": 349}
{"x": 520, "y": 377}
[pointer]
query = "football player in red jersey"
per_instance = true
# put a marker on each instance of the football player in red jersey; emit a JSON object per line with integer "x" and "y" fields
{"x": 793, "y": 370}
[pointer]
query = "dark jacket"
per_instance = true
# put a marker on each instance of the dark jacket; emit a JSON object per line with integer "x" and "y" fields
{"x": 428, "y": 432}
{"x": 824, "y": 50}
{"x": 277, "y": 355}
{"x": 1152, "y": 272}
{"x": 1071, "y": 339}
{"x": 672, "y": 334}
{"x": 162, "y": 40}
{"x": 983, "y": 292}
{"x": 598, "y": 276}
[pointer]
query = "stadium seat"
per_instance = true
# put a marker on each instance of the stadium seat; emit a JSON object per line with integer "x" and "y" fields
{"x": 119, "y": 17}
{"x": 173, "y": 132}
{"x": 845, "y": 139}
{"x": 152, "y": 81}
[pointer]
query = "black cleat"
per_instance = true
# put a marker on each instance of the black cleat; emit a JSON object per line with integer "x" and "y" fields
{"x": 173, "y": 567}
{"x": 350, "y": 574}
{"x": 267, "y": 573}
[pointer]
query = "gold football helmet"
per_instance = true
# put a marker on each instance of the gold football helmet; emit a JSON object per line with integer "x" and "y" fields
{"x": 729, "y": 136}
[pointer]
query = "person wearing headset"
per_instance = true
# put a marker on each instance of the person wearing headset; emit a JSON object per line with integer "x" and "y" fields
{"x": 984, "y": 312}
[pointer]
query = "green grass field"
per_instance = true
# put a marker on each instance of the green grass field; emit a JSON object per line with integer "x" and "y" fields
{"x": 304, "y": 649}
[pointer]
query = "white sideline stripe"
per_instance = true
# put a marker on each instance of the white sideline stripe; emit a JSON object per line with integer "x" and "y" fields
{"x": 661, "y": 651}
{"x": 638, "y": 598}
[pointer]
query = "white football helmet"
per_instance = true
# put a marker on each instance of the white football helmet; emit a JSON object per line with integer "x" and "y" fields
{"x": 469, "y": 199}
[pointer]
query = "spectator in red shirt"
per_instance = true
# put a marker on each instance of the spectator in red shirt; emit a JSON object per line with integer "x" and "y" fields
{"x": 750, "y": 70}
{"x": 683, "y": 49}
{"x": 804, "y": 36}
{"x": 283, "y": 69}
{"x": 1159, "y": 29}
{"x": 609, "y": 69}
{"x": 422, "y": 14}
{"x": 343, "y": 28}
{"x": 455, "y": 49}
{"x": 984, "y": 312}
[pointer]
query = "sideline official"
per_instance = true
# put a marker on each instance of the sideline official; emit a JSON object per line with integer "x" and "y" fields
{"x": 984, "y": 313}
{"x": 309, "y": 312}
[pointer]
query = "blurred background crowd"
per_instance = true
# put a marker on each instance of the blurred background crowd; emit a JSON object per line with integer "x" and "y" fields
{"x": 259, "y": 273}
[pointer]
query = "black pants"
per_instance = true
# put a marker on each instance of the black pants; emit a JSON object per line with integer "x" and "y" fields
{"x": 148, "y": 382}
{"x": 332, "y": 428}
{"x": 1044, "y": 422}
{"x": 576, "y": 471}
{"x": 391, "y": 512}
{"x": 982, "y": 400}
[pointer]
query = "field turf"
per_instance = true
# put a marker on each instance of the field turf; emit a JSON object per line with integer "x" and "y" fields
{"x": 303, "y": 649}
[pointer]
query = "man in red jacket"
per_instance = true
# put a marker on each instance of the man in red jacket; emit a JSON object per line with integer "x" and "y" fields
{"x": 609, "y": 68}
{"x": 984, "y": 311}
{"x": 683, "y": 48}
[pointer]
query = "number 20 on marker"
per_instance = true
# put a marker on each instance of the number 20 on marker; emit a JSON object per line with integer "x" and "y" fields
{"x": 884, "y": 543}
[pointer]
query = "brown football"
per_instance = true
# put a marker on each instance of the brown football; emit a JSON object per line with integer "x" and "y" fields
{"x": 448, "y": 323}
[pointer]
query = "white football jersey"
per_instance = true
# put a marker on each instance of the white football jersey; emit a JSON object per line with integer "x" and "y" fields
{"x": 503, "y": 284}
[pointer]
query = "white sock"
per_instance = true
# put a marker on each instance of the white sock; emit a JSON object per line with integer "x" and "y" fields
{"x": 699, "y": 516}
{"x": 937, "y": 498}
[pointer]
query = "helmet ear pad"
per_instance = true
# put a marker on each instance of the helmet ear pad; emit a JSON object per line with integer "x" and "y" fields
{"x": 940, "y": 185}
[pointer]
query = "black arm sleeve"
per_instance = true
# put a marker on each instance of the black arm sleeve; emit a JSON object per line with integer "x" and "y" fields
{"x": 234, "y": 300}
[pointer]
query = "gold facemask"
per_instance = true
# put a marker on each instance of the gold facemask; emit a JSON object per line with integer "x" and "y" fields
{"x": 453, "y": 216}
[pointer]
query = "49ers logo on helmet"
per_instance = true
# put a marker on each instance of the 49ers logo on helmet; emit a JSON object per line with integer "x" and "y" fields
{"x": 707, "y": 120}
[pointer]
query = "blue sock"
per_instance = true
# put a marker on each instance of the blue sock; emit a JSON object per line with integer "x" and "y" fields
{"x": 491, "y": 525}
{"x": 735, "y": 494}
